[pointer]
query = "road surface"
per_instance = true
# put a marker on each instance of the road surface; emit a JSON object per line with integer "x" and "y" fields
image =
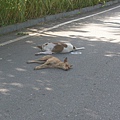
{"x": 89, "y": 91}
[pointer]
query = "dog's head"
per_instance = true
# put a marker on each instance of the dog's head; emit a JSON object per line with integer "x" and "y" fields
{"x": 66, "y": 65}
{"x": 43, "y": 47}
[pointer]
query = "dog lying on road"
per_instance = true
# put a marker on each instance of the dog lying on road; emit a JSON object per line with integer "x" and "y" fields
{"x": 59, "y": 47}
{"x": 51, "y": 62}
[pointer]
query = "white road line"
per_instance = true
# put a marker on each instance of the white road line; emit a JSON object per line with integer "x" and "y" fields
{"x": 56, "y": 26}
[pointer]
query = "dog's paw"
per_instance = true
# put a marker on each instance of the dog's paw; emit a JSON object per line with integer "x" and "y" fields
{"x": 28, "y": 62}
{"x": 37, "y": 54}
{"x": 37, "y": 68}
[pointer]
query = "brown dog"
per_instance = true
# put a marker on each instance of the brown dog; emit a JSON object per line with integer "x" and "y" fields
{"x": 51, "y": 62}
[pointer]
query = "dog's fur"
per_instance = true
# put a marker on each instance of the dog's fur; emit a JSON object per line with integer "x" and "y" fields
{"x": 59, "y": 47}
{"x": 51, "y": 62}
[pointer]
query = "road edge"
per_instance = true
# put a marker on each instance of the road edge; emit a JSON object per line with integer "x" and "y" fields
{"x": 30, "y": 23}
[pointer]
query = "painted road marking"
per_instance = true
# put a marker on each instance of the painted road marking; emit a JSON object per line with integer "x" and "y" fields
{"x": 56, "y": 26}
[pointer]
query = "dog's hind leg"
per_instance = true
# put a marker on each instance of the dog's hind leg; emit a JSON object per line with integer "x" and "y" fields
{"x": 40, "y": 60}
{"x": 42, "y": 66}
{"x": 44, "y": 53}
{"x": 47, "y": 64}
{"x": 35, "y": 61}
{"x": 81, "y": 48}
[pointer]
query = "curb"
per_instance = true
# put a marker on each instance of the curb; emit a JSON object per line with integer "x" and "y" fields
{"x": 29, "y": 23}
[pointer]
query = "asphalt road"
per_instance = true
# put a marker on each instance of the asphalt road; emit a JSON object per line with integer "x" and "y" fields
{"x": 89, "y": 91}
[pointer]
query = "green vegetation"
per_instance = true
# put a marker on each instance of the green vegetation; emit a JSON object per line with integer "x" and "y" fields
{"x": 16, "y": 11}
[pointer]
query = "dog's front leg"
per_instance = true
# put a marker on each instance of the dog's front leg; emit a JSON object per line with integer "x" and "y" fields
{"x": 44, "y": 53}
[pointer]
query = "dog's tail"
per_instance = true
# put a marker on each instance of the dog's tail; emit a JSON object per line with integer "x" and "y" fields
{"x": 75, "y": 48}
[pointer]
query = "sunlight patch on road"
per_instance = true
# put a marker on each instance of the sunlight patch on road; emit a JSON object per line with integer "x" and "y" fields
{"x": 57, "y": 26}
{"x": 49, "y": 89}
{"x": 21, "y": 69}
{"x": 14, "y": 84}
{"x": 94, "y": 32}
{"x": 112, "y": 54}
{"x": 17, "y": 85}
{"x": 10, "y": 75}
{"x": 4, "y": 91}
{"x": 36, "y": 88}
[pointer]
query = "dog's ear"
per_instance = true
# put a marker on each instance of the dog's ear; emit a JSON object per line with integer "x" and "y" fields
{"x": 40, "y": 47}
{"x": 65, "y": 60}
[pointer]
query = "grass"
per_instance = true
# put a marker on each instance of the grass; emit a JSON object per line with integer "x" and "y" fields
{"x": 16, "y": 11}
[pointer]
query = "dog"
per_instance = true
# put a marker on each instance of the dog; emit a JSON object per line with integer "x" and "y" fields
{"x": 49, "y": 61}
{"x": 58, "y": 47}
